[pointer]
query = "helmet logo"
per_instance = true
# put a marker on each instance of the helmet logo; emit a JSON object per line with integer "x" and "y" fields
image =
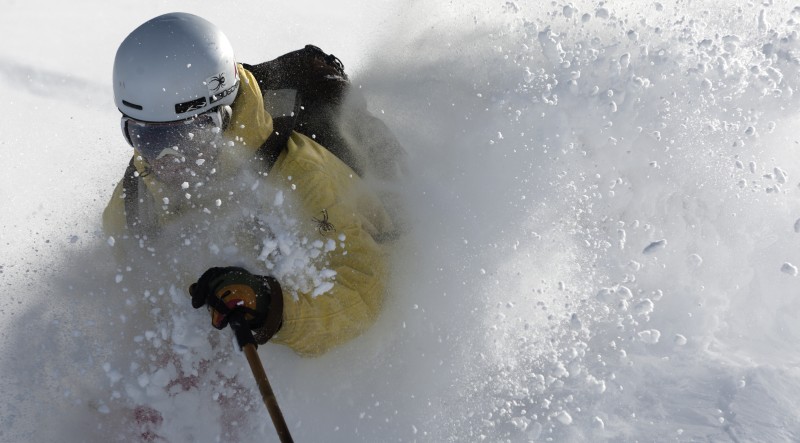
{"x": 216, "y": 82}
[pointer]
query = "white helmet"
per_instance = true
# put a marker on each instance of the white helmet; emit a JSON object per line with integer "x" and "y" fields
{"x": 173, "y": 67}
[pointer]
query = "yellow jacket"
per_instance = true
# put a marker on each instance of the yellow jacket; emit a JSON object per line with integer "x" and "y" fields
{"x": 319, "y": 182}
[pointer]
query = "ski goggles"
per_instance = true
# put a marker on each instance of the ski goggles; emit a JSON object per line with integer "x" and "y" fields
{"x": 187, "y": 137}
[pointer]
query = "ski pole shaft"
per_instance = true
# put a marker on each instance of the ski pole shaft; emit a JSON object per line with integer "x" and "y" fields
{"x": 267, "y": 394}
{"x": 246, "y": 341}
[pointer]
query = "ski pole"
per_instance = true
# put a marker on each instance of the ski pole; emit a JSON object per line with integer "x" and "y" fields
{"x": 246, "y": 341}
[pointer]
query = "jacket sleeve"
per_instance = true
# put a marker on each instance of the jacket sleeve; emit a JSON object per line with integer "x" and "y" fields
{"x": 314, "y": 324}
{"x": 380, "y": 151}
{"x": 114, "y": 222}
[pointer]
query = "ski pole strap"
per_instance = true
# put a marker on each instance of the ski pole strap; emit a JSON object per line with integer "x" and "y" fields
{"x": 244, "y": 336}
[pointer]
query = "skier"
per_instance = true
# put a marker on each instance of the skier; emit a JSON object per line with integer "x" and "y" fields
{"x": 210, "y": 135}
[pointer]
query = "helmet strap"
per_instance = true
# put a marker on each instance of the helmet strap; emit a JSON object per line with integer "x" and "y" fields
{"x": 124, "y": 125}
{"x": 225, "y": 113}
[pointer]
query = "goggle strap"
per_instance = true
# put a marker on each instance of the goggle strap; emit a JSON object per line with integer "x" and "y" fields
{"x": 124, "y": 126}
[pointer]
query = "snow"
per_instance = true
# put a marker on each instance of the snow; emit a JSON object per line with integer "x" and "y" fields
{"x": 604, "y": 202}
{"x": 790, "y": 269}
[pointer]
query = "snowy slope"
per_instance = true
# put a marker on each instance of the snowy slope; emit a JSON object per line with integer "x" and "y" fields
{"x": 605, "y": 242}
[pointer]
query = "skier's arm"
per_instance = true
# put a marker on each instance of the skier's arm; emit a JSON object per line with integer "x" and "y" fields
{"x": 387, "y": 158}
{"x": 313, "y": 323}
{"x": 114, "y": 221}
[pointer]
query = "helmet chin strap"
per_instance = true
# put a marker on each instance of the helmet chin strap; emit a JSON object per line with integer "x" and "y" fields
{"x": 225, "y": 114}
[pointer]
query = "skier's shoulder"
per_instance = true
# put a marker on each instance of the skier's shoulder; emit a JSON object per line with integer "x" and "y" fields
{"x": 303, "y": 157}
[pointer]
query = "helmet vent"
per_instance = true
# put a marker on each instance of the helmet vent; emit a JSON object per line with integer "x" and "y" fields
{"x": 199, "y": 103}
{"x": 131, "y": 105}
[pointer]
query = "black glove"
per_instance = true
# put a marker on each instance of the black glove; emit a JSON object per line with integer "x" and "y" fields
{"x": 232, "y": 291}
